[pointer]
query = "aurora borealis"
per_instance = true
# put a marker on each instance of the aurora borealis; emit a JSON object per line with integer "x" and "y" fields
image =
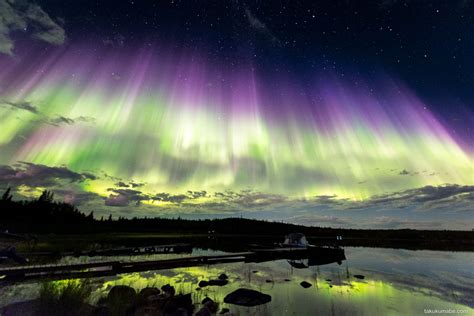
{"x": 154, "y": 130}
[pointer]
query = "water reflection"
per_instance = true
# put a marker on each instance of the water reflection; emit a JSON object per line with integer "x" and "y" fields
{"x": 335, "y": 257}
{"x": 395, "y": 282}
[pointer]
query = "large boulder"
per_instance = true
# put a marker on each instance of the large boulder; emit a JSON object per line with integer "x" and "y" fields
{"x": 210, "y": 304}
{"x": 204, "y": 311}
{"x": 27, "y": 308}
{"x": 121, "y": 300}
{"x": 247, "y": 297}
{"x": 122, "y": 295}
{"x": 148, "y": 294}
{"x": 223, "y": 276}
{"x": 178, "y": 305}
{"x": 101, "y": 311}
{"x": 122, "y": 292}
{"x": 217, "y": 282}
{"x": 168, "y": 290}
{"x": 149, "y": 291}
{"x": 209, "y": 307}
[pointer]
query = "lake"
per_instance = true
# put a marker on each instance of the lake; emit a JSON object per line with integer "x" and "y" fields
{"x": 396, "y": 282}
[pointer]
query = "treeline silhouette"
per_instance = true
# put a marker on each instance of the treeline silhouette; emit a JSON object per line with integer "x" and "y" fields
{"x": 41, "y": 215}
{"x": 45, "y": 215}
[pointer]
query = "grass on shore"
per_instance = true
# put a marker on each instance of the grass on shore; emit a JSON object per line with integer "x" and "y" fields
{"x": 60, "y": 298}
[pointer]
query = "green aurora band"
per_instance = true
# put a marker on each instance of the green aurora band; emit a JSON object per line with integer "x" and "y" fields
{"x": 173, "y": 124}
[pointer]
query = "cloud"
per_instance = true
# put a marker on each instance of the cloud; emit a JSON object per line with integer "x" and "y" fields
{"x": 447, "y": 206}
{"x": 132, "y": 184}
{"x": 122, "y": 184}
{"x": 435, "y": 193}
{"x": 76, "y": 198}
{"x": 55, "y": 121}
{"x": 249, "y": 200}
{"x": 327, "y": 199}
{"x": 166, "y": 197}
{"x": 426, "y": 197}
{"x": 260, "y": 27}
{"x": 123, "y": 197}
{"x": 254, "y": 21}
{"x": 388, "y": 222}
{"x": 404, "y": 173}
{"x": 118, "y": 200}
{"x": 24, "y": 105}
{"x": 22, "y": 15}
{"x": 61, "y": 120}
{"x": 37, "y": 175}
{"x": 44, "y": 27}
{"x": 320, "y": 220}
{"x": 9, "y": 21}
{"x": 197, "y": 194}
{"x": 257, "y": 199}
{"x": 179, "y": 198}
{"x": 116, "y": 40}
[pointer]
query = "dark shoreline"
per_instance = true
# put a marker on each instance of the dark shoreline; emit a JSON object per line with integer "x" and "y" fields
{"x": 31, "y": 220}
{"x": 62, "y": 243}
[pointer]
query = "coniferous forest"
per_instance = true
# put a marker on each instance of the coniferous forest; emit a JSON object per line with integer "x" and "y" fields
{"x": 45, "y": 215}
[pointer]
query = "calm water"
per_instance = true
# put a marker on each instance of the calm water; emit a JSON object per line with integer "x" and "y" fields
{"x": 397, "y": 282}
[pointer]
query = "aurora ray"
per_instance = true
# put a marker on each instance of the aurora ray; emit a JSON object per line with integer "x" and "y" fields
{"x": 178, "y": 123}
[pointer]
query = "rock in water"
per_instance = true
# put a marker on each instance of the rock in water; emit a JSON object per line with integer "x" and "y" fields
{"x": 121, "y": 299}
{"x": 204, "y": 311}
{"x": 99, "y": 311}
{"x": 168, "y": 290}
{"x": 210, "y": 304}
{"x": 177, "y": 304}
{"x": 147, "y": 292}
{"x": 359, "y": 276}
{"x": 121, "y": 293}
{"x": 306, "y": 284}
{"x": 223, "y": 276}
{"x": 247, "y": 297}
{"x": 217, "y": 282}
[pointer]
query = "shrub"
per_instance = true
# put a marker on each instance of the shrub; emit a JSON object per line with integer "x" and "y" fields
{"x": 64, "y": 298}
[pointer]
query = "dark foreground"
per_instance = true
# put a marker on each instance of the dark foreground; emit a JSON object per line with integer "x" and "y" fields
{"x": 371, "y": 281}
{"x": 35, "y": 220}
{"x": 396, "y": 272}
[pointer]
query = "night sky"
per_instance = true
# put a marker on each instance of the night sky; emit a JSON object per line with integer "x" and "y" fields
{"x": 332, "y": 113}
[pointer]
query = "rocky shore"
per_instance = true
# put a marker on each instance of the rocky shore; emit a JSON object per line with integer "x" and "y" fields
{"x": 123, "y": 300}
